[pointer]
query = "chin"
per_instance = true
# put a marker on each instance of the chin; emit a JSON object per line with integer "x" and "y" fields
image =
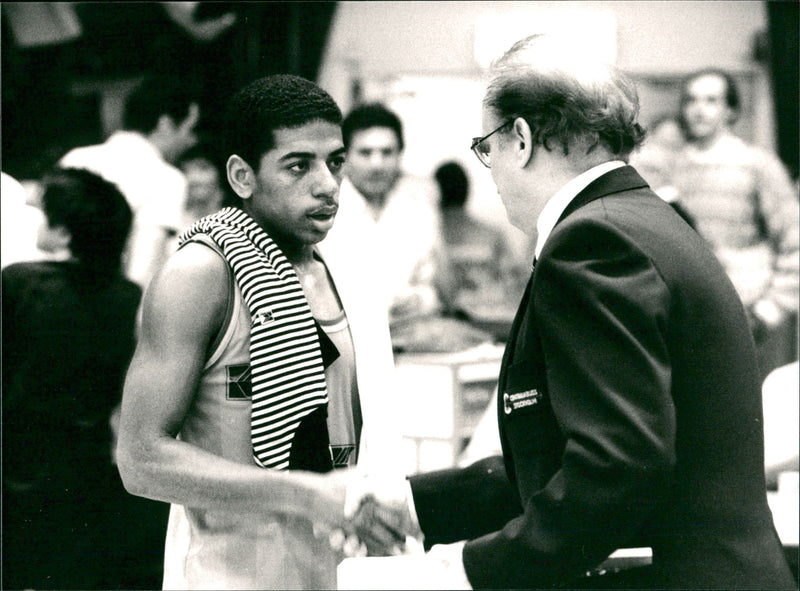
{"x": 377, "y": 190}
{"x": 316, "y": 237}
{"x": 699, "y": 132}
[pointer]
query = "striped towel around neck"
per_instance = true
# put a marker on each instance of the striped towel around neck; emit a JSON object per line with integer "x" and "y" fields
{"x": 288, "y": 378}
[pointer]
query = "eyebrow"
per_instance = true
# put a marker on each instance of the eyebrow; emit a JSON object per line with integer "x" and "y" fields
{"x": 309, "y": 155}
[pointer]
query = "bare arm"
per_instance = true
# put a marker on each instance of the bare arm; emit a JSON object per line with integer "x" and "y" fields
{"x": 182, "y": 311}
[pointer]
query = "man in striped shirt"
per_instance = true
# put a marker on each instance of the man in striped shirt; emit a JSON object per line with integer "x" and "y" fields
{"x": 742, "y": 201}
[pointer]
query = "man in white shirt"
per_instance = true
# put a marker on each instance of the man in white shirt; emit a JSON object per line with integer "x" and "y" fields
{"x": 159, "y": 122}
{"x": 393, "y": 213}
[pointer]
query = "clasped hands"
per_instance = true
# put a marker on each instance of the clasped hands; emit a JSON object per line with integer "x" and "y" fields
{"x": 377, "y": 519}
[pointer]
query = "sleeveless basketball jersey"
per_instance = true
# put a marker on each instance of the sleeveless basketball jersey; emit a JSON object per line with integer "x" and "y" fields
{"x": 344, "y": 406}
{"x": 223, "y": 550}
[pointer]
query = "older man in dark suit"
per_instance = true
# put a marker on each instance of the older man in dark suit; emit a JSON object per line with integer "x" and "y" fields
{"x": 629, "y": 397}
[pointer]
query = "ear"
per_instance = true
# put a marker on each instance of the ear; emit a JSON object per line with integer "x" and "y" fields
{"x": 523, "y": 142}
{"x": 241, "y": 177}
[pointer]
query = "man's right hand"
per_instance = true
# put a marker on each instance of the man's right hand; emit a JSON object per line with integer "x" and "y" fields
{"x": 378, "y": 518}
{"x": 386, "y": 529}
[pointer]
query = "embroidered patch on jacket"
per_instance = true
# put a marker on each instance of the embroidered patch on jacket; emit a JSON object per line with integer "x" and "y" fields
{"x": 518, "y": 400}
{"x": 239, "y": 386}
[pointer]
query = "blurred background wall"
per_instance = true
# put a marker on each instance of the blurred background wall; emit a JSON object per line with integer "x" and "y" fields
{"x": 67, "y": 67}
{"x": 427, "y": 59}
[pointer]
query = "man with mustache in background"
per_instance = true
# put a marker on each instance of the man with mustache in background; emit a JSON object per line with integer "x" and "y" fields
{"x": 382, "y": 205}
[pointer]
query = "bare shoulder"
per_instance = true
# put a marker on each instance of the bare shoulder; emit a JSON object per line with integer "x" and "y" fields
{"x": 188, "y": 295}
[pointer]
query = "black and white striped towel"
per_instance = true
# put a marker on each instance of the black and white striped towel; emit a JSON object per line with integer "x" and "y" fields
{"x": 288, "y": 378}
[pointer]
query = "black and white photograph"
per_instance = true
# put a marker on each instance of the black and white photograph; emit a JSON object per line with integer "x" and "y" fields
{"x": 400, "y": 294}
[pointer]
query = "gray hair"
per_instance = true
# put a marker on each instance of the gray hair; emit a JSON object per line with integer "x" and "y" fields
{"x": 565, "y": 97}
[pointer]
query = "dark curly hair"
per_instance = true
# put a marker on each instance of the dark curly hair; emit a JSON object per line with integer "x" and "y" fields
{"x": 94, "y": 212}
{"x": 270, "y": 103}
{"x": 371, "y": 115}
{"x": 565, "y": 99}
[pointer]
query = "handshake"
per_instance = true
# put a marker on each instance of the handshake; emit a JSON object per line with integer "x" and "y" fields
{"x": 378, "y": 519}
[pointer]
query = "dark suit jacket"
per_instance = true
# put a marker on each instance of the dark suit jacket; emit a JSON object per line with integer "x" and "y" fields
{"x": 630, "y": 414}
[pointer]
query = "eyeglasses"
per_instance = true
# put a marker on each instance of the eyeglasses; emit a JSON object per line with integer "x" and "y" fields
{"x": 482, "y": 150}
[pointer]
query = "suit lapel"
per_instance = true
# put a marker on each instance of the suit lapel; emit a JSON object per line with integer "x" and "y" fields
{"x": 620, "y": 179}
{"x": 512, "y": 334}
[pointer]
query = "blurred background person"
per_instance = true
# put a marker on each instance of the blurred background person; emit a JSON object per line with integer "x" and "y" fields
{"x": 206, "y": 185}
{"x": 20, "y": 223}
{"x": 207, "y": 189}
{"x": 396, "y": 216}
{"x": 664, "y": 139}
{"x": 159, "y": 122}
{"x": 68, "y": 335}
{"x": 742, "y": 201}
{"x": 485, "y": 278}
{"x": 393, "y": 210}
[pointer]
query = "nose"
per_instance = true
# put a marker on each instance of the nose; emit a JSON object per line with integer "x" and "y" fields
{"x": 326, "y": 184}
{"x": 376, "y": 159}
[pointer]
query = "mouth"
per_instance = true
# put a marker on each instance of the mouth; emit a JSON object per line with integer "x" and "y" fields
{"x": 323, "y": 214}
{"x": 379, "y": 178}
{"x": 323, "y": 218}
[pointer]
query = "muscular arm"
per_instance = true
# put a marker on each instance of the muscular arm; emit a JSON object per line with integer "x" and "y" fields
{"x": 182, "y": 312}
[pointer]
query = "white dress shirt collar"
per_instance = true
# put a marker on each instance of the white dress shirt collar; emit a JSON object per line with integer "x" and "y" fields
{"x": 556, "y": 205}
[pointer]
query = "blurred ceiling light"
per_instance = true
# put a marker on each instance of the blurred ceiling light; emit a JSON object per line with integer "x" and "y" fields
{"x": 586, "y": 30}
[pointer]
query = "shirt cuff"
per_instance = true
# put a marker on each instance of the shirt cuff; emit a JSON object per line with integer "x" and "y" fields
{"x": 412, "y": 509}
{"x": 451, "y": 555}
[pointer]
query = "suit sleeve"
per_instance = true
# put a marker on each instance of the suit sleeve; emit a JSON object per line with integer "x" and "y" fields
{"x": 601, "y": 311}
{"x": 464, "y": 503}
{"x": 13, "y": 336}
